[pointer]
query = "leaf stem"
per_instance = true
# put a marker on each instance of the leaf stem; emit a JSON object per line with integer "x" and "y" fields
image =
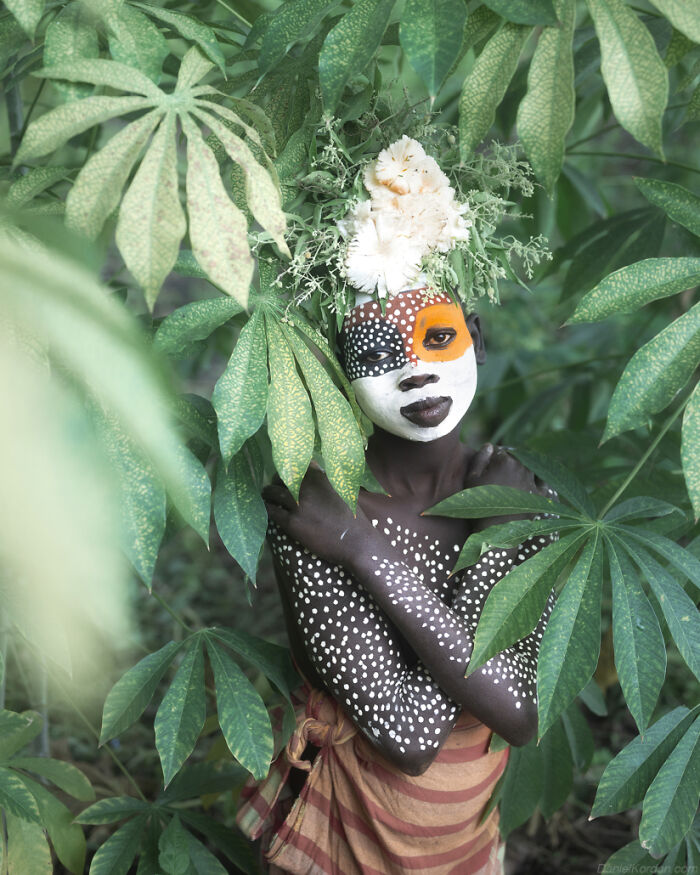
{"x": 31, "y": 108}
{"x": 161, "y": 601}
{"x": 650, "y": 449}
{"x": 635, "y": 157}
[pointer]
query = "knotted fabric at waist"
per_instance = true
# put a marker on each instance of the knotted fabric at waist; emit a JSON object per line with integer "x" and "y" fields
{"x": 324, "y": 725}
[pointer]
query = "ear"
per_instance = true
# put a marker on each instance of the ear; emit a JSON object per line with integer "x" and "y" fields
{"x": 474, "y": 326}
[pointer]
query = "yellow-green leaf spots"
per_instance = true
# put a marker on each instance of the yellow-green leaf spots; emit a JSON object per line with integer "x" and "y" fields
{"x": 690, "y": 449}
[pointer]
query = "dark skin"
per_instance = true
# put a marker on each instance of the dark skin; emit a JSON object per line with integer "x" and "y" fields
{"x": 416, "y": 475}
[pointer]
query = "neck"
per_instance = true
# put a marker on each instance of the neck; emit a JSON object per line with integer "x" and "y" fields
{"x": 427, "y": 470}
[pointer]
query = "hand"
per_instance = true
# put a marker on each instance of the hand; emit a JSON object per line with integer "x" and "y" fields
{"x": 321, "y": 520}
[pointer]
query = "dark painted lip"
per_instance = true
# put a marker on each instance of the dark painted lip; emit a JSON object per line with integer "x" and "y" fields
{"x": 428, "y": 412}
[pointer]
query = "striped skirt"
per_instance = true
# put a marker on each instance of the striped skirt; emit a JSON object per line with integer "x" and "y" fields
{"x": 358, "y": 814}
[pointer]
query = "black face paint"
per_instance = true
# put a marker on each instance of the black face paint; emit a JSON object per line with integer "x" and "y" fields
{"x": 368, "y": 339}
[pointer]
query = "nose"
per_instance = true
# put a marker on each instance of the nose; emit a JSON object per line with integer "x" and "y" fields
{"x": 417, "y": 381}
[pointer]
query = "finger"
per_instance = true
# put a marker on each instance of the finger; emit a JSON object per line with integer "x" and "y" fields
{"x": 279, "y": 495}
{"x": 481, "y": 460}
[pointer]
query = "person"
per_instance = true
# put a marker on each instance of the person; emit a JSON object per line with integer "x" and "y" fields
{"x": 391, "y": 753}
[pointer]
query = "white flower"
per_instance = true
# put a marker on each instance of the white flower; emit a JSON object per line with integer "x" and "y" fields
{"x": 397, "y": 166}
{"x": 382, "y": 256}
{"x": 352, "y": 220}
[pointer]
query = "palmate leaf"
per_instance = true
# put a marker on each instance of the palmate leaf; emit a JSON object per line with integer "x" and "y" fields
{"x": 507, "y": 535}
{"x": 202, "y": 859}
{"x": 71, "y": 34}
{"x": 485, "y": 86}
{"x": 113, "y": 809}
{"x": 635, "y": 75}
{"x": 66, "y": 836}
{"x": 546, "y": 112}
{"x": 28, "y": 13}
{"x": 192, "y": 322}
{"x": 522, "y": 787}
{"x": 672, "y": 798}
{"x": 487, "y": 501}
{"x": 64, "y": 775}
{"x": 571, "y": 642}
{"x": 640, "y": 652}
{"x": 341, "y": 441}
{"x": 182, "y": 712}
{"x": 243, "y": 718}
{"x": 431, "y": 37}
{"x": 240, "y": 394}
{"x": 627, "y": 859}
{"x": 684, "y": 15}
{"x": 291, "y": 22}
{"x": 173, "y": 854}
{"x": 117, "y": 854}
{"x": 271, "y": 659}
{"x": 579, "y": 736}
{"x": 190, "y": 28}
{"x": 101, "y": 71}
{"x": 558, "y": 478}
{"x": 627, "y": 777}
{"x": 639, "y": 508}
{"x": 679, "y": 204}
{"x": 17, "y": 730}
{"x": 690, "y": 449}
{"x": 535, "y": 12}
{"x": 232, "y": 844}
{"x": 240, "y": 512}
{"x": 634, "y": 286}
{"x": 15, "y": 798}
{"x": 28, "y": 851}
{"x": 655, "y": 373}
{"x": 681, "y": 558}
{"x": 134, "y": 40}
{"x": 558, "y": 768}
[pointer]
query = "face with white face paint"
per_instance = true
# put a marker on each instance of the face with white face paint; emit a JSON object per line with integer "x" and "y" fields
{"x": 413, "y": 369}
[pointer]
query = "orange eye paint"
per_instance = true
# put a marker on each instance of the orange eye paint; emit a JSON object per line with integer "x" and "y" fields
{"x": 448, "y": 317}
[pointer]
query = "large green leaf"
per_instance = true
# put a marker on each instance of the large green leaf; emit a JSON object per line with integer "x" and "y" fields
{"x": 240, "y": 394}
{"x": 679, "y": 557}
{"x": 113, "y": 809}
{"x": 515, "y": 604}
{"x": 485, "y": 86}
{"x": 182, "y": 712}
{"x": 218, "y": 229}
{"x": 17, "y": 730}
{"x": 546, "y": 112}
{"x": 579, "y": 736}
{"x": 64, "y": 775}
{"x": 341, "y": 442}
{"x": 28, "y": 13}
{"x": 640, "y": 507}
{"x": 690, "y": 449}
{"x": 684, "y": 15}
{"x": 626, "y": 778}
{"x": 672, "y": 799}
{"x": 36, "y": 180}
{"x": 507, "y": 535}
{"x": 486, "y": 501}
{"x": 431, "y": 36}
{"x": 243, "y": 717}
{"x": 293, "y": 21}
{"x": 231, "y": 843}
{"x": 635, "y": 75}
{"x": 172, "y": 845}
{"x": 131, "y": 694}
{"x": 289, "y": 420}
{"x": 151, "y": 219}
{"x": 135, "y": 41}
{"x": 15, "y": 798}
{"x": 192, "y": 493}
{"x": 558, "y": 767}
{"x": 522, "y": 787}
{"x": 101, "y": 71}
{"x": 559, "y": 478}
{"x": 272, "y": 660}
{"x": 655, "y": 373}
{"x": 525, "y": 11}
{"x": 66, "y": 836}
{"x": 571, "y": 641}
{"x": 98, "y": 187}
{"x": 240, "y": 512}
{"x": 679, "y": 204}
{"x": 634, "y": 286}
{"x": 116, "y": 855}
{"x": 201, "y": 859}
{"x": 640, "y": 652}
{"x": 350, "y": 46}
{"x": 192, "y": 322}
{"x": 28, "y": 852}
{"x": 191, "y": 28}
{"x": 60, "y": 124}
{"x": 629, "y": 858}
{"x": 71, "y": 34}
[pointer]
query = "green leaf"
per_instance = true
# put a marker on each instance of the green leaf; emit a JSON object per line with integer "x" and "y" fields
{"x": 60, "y": 124}
{"x": 135, "y": 41}
{"x": 36, "y": 180}
{"x": 289, "y": 420}
{"x": 633, "y": 286}
{"x": 218, "y": 229}
{"x": 28, "y": 13}
{"x": 190, "y": 28}
{"x": 680, "y": 557}
{"x": 431, "y": 37}
{"x": 240, "y": 394}
{"x": 15, "y": 798}
{"x": 640, "y": 652}
{"x": 240, "y": 513}
{"x": 522, "y": 787}
{"x": 684, "y": 15}
{"x": 271, "y": 659}
{"x": 679, "y": 610}
{"x": 71, "y": 34}
{"x": 506, "y": 535}
{"x": 690, "y": 449}
{"x": 203, "y": 862}
{"x": 192, "y": 322}
{"x": 174, "y": 854}
{"x": 182, "y": 712}
{"x": 515, "y": 604}
{"x": 64, "y": 775}
{"x": 626, "y": 778}
{"x": 546, "y": 113}
{"x": 635, "y": 75}
{"x": 524, "y": 11}
{"x": 243, "y": 718}
{"x": 558, "y": 477}
{"x": 262, "y": 195}
{"x": 28, "y": 851}
{"x": 231, "y": 843}
{"x": 201, "y": 779}
{"x": 672, "y": 799}
{"x": 341, "y": 442}
{"x": 628, "y": 859}
{"x": 486, "y": 85}
{"x": 571, "y": 641}
{"x": 17, "y": 730}
{"x": 66, "y": 836}
{"x": 640, "y": 507}
{"x": 192, "y": 493}
{"x": 151, "y": 220}
{"x": 558, "y": 766}
{"x": 98, "y": 187}
{"x": 679, "y": 204}
{"x": 113, "y": 809}
{"x": 131, "y": 694}
{"x": 193, "y": 68}
{"x": 292, "y": 21}
{"x": 579, "y": 736}
{"x": 100, "y": 71}
{"x": 486, "y": 501}
{"x": 117, "y": 854}
{"x": 655, "y": 373}
{"x": 350, "y": 46}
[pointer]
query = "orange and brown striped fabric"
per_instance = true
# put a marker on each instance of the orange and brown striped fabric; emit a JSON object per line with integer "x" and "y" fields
{"x": 360, "y": 815}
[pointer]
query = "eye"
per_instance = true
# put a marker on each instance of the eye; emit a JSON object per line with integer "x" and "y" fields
{"x": 374, "y": 356}
{"x": 439, "y": 338}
